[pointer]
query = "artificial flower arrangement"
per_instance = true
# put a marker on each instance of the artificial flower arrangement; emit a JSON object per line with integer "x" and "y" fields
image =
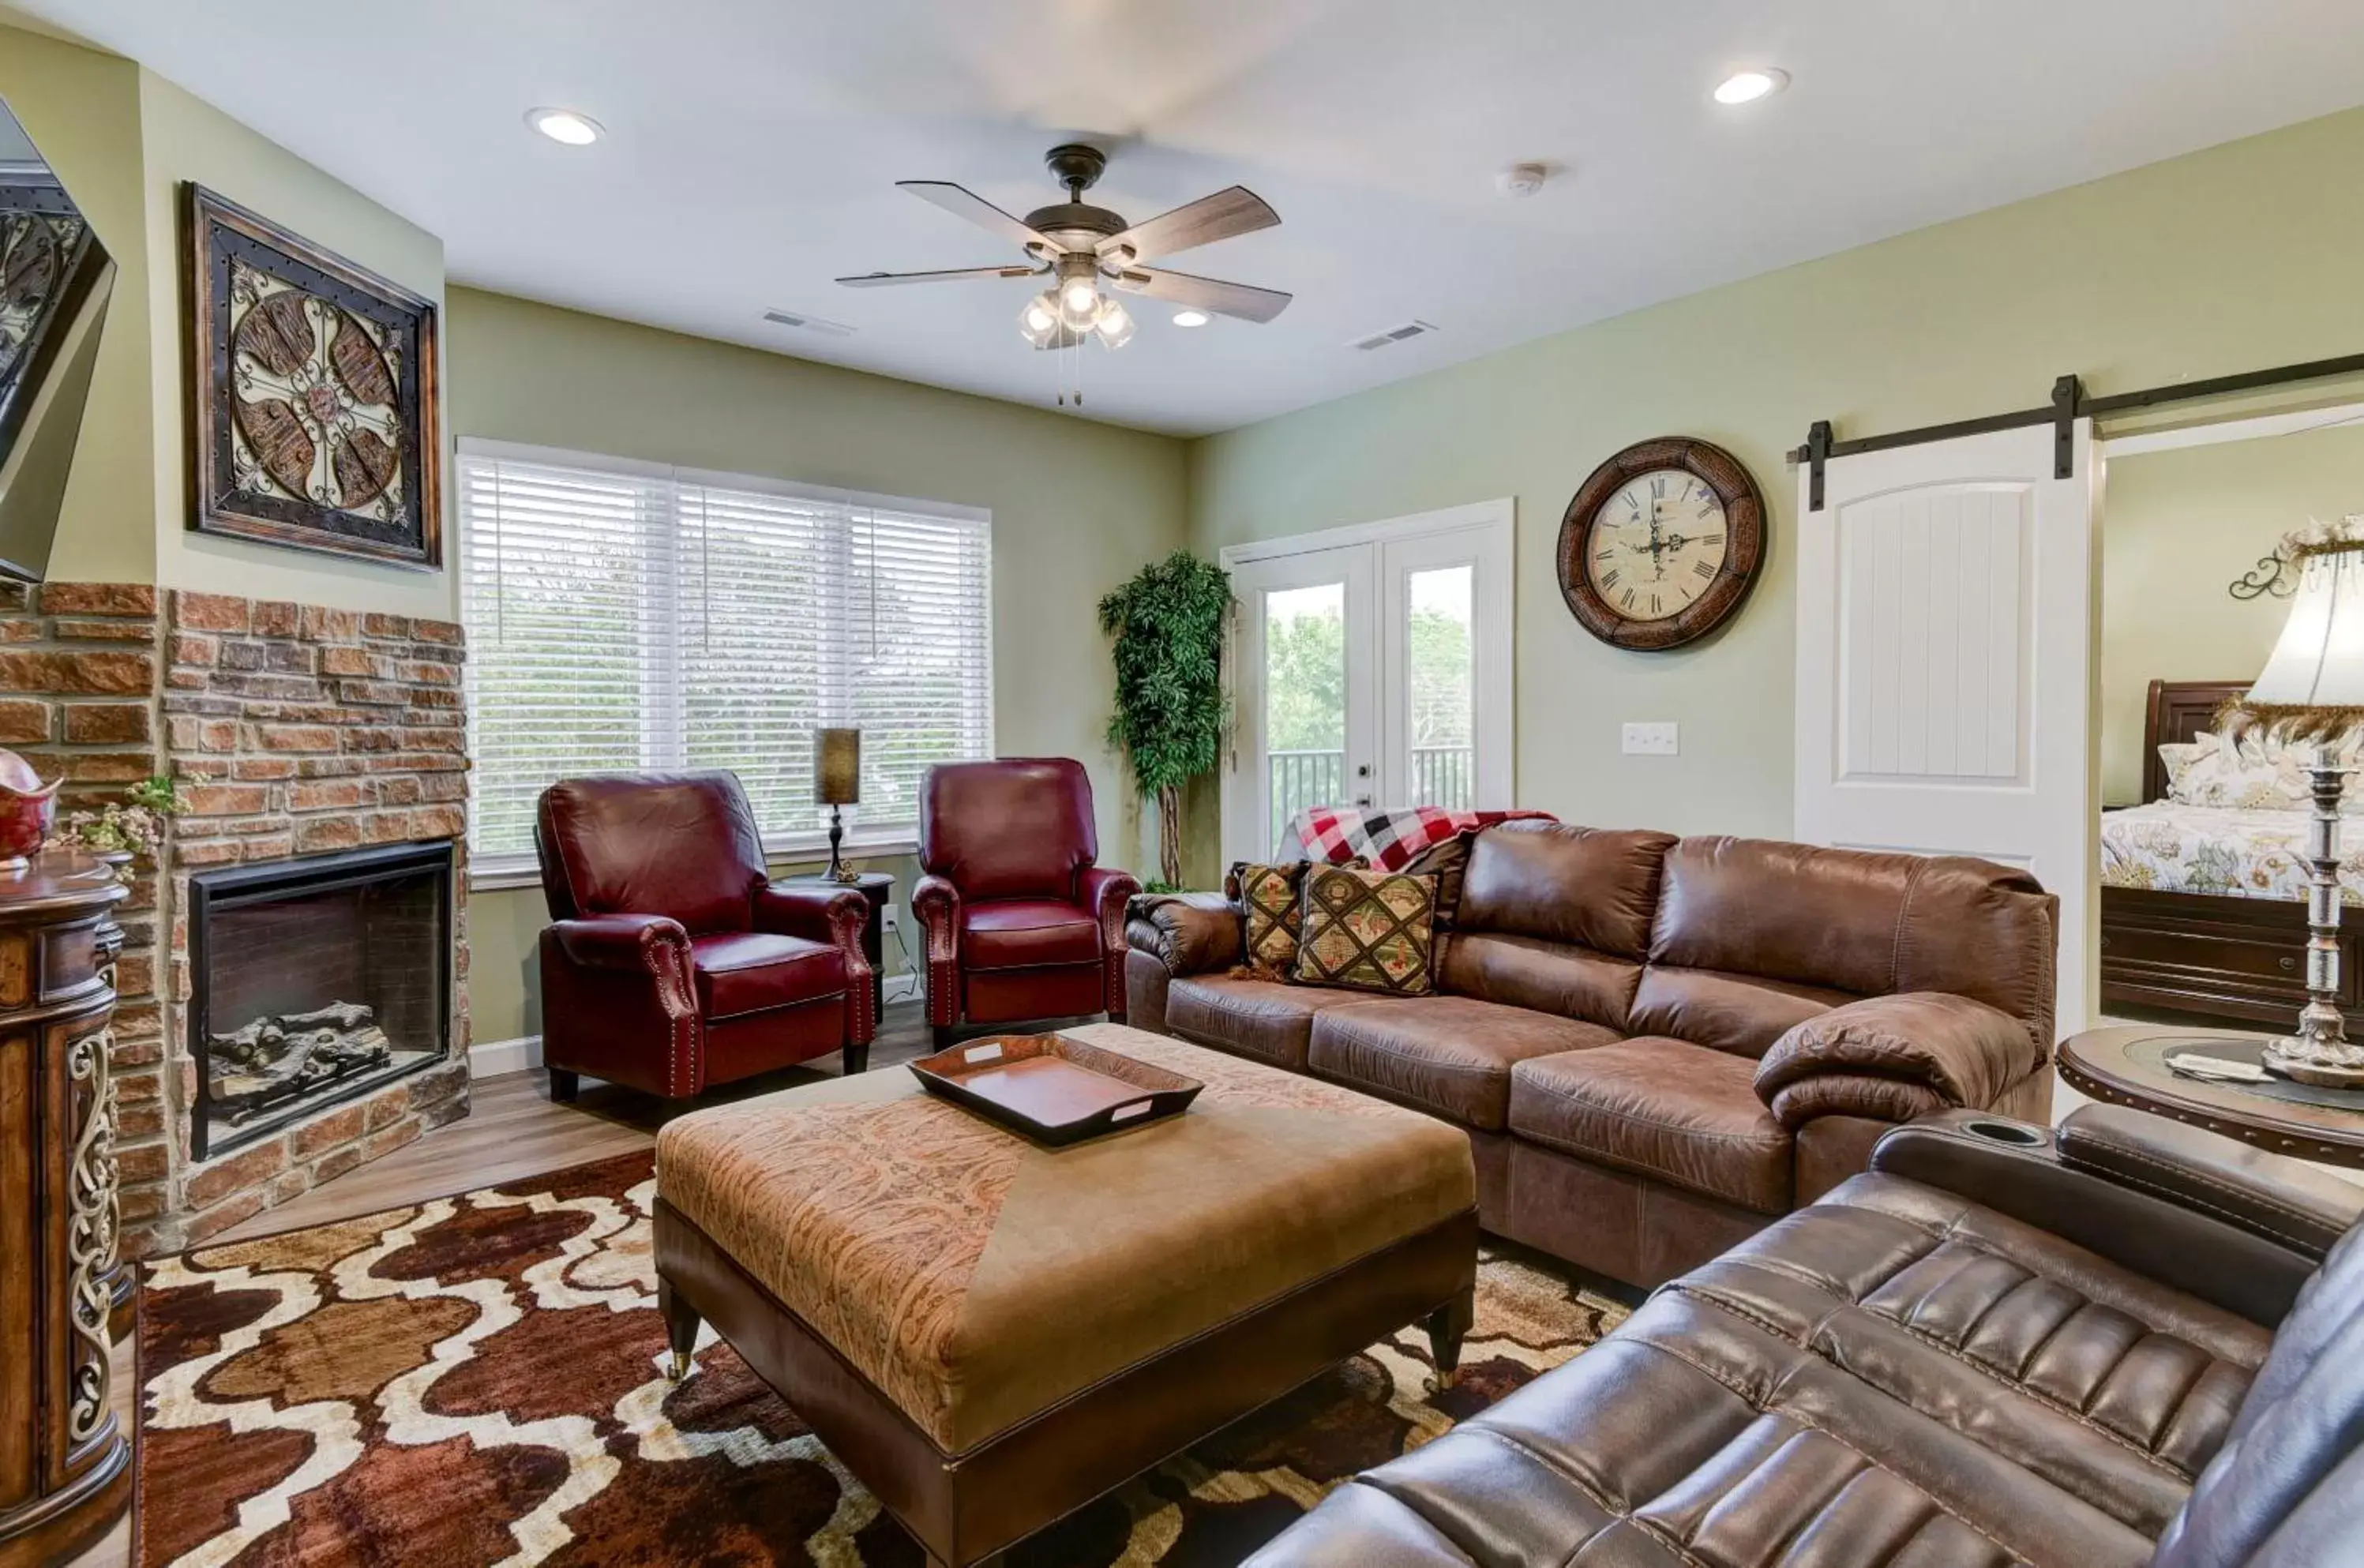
{"x": 134, "y": 825}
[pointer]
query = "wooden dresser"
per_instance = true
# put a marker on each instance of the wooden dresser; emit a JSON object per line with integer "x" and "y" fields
{"x": 66, "y": 1461}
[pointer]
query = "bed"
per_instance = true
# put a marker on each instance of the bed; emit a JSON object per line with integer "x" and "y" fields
{"x": 2202, "y": 908}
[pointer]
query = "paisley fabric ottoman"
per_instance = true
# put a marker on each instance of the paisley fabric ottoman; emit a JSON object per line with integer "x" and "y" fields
{"x": 991, "y": 1333}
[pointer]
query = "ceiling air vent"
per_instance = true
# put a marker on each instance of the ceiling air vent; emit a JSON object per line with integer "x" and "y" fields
{"x": 1393, "y": 334}
{"x": 803, "y": 323}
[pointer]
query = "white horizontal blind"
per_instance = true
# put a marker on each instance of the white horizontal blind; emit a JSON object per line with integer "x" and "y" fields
{"x": 626, "y": 617}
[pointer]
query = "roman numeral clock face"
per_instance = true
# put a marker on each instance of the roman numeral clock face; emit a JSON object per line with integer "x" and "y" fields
{"x": 1656, "y": 544}
{"x": 1661, "y": 545}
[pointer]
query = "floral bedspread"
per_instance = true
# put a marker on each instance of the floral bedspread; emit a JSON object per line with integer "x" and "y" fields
{"x": 2218, "y": 850}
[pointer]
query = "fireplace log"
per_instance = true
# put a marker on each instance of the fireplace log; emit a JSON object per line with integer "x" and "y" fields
{"x": 281, "y": 1055}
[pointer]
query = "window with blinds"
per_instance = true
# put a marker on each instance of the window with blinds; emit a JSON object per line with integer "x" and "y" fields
{"x": 625, "y": 616}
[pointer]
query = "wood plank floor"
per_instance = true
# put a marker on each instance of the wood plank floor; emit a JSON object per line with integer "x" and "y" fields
{"x": 512, "y": 1130}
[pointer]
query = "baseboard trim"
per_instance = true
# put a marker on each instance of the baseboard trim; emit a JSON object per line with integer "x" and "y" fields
{"x": 500, "y": 1058}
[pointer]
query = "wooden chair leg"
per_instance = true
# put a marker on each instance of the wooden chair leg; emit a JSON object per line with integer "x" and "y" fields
{"x": 857, "y": 1060}
{"x": 563, "y": 1086}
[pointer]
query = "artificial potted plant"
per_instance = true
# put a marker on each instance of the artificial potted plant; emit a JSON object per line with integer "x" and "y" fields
{"x": 1166, "y": 625}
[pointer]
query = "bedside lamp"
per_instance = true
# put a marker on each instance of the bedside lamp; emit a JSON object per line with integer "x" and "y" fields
{"x": 837, "y": 782}
{"x": 2313, "y": 689}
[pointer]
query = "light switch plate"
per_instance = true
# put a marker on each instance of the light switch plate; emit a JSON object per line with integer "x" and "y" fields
{"x": 1651, "y": 740}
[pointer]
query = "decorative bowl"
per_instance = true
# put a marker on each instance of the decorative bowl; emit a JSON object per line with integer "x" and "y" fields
{"x": 28, "y": 807}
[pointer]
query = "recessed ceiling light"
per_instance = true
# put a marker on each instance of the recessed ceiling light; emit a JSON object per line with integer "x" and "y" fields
{"x": 1190, "y": 319}
{"x": 566, "y": 126}
{"x": 1747, "y": 86}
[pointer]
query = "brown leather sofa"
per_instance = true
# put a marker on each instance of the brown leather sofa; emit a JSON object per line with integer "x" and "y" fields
{"x": 1657, "y": 1045}
{"x": 672, "y": 962}
{"x": 2136, "y": 1343}
{"x": 1020, "y": 923}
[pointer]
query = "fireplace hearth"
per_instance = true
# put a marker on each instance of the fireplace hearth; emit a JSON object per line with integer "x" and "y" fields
{"x": 313, "y": 981}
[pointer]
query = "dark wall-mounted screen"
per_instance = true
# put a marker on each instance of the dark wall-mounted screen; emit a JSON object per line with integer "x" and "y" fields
{"x": 55, "y": 277}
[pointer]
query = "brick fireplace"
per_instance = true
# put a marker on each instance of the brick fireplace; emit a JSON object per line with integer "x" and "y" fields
{"x": 295, "y": 731}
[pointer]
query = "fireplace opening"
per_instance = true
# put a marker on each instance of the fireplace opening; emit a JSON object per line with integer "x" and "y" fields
{"x": 313, "y": 981}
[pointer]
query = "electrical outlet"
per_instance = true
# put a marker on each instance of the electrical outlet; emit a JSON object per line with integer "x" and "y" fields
{"x": 890, "y": 919}
{"x": 1651, "y": 740}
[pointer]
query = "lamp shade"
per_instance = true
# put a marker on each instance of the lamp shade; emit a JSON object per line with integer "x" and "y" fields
{"x": 2318, "y": 665}
{"x": 837, "y": 767}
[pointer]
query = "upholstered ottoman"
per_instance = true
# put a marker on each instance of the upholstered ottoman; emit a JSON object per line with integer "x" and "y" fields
{"x": 991, "y": 1333}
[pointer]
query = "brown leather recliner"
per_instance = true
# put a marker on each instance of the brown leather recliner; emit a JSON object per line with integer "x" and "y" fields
{"x": 2127, "y": 1343}
{"x": 1657, "y": 1045}
{"x": 1020, "y": 923}
{"x": 672, "y": 962}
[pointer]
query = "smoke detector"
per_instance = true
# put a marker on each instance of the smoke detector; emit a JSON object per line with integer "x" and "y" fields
{"x": 1522, "y": 179}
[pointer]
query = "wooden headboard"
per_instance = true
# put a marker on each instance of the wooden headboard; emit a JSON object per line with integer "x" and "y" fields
{"x": 2177, "y": 711}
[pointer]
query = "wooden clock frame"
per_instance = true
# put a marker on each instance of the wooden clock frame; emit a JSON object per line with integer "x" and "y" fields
{"x": 1744, "y": 511}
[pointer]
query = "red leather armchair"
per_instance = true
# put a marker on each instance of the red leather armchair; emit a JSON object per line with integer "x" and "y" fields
{"x": 671, "y": 962}
{"x": 1020, "y": 923}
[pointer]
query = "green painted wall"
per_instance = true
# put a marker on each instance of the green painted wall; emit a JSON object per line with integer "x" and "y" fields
{"x": 2177, "y": 527}
{"x": 1077, "y": 507}
{"x": 2238, "y": 257}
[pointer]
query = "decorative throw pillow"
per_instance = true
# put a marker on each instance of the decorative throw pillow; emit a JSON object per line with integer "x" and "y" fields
{"x": 1369, "y": 930}
{"x": 1271, "y": 914}
{"x": 2252, "y": 774}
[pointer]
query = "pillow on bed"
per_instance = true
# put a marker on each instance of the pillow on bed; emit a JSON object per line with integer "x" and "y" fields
{"x": 2252, "y": 774}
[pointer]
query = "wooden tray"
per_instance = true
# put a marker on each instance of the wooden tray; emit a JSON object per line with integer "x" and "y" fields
{"x": 1053, "y": 1089}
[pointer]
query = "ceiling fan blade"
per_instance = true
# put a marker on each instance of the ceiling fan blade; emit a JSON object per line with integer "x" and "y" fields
{"x": 1237, "y": 210}
{"x": 875, "y": 279}
{"x": 1204, "y": 294}
{"x": 967, "y": 203}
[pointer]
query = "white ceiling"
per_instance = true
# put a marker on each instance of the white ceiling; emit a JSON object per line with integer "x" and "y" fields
{"x": 753, "y": 145}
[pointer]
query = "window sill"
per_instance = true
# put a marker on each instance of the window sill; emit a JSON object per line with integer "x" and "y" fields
{"x": 784, "y": 857}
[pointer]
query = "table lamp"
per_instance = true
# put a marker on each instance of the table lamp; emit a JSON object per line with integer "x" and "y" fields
{"x": 2313, "y": 690}
{"x": 837, "y": 782}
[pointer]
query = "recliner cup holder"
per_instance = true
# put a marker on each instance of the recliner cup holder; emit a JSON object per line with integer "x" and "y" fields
{"x": 2017, "y": 1134}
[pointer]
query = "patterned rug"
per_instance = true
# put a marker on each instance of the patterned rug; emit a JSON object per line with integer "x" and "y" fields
{"x": 479, "y": 1380}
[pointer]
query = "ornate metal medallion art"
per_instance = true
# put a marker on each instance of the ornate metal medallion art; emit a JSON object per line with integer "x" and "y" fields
{"x": 315, "y": 413}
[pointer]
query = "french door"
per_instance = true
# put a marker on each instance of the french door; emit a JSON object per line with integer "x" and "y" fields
{"x": 1373, "y": 670}
{"x": 1945, "y": 664}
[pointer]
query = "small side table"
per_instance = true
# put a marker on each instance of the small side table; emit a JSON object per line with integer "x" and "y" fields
{"x": 2126, "y": 1066}
{"x": 880, "y": 888}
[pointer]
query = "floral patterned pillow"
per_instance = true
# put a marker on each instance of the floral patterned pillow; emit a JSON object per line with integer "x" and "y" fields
{"x": 2252, "y": 774}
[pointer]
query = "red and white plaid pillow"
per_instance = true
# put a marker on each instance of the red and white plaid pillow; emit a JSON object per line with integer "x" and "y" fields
{"x": 1391, "y": 840}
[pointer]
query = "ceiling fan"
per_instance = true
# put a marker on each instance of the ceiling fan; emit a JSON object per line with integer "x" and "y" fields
{"x": 1079, "y": 245}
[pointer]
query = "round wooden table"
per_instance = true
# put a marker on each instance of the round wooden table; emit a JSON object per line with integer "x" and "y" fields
{"x": 2126, "y": 1065}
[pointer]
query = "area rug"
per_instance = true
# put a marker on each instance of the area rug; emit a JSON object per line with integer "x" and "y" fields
{"x": 479, "y": 1380}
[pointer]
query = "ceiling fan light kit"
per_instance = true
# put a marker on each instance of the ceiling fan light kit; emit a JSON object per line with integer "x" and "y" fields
{"x": 1087, "y": 250}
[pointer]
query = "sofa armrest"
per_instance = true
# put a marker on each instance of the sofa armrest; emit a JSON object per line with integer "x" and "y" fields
{"x": 936, "y": 905}
{"x": 1189, "y": 933}
{"x": 1895, "y": 1058}
{"x": 2021, "y": 1170}
{"x": 633, "y": 944}
{"x": 2282, "y": 1199}
{"x": 837, "y": 918}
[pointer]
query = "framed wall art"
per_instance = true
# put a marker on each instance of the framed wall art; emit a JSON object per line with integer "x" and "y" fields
{"x": 314, "y": 416}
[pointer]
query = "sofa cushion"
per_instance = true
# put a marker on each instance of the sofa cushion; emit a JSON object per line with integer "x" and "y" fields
{"x": 1547, "y": 976}
{"x": 1741, "y": 1013}
{"x": 747, "y": 971}
{"x": 1263, "y": 1018}
{"x": 1683, "y": 1113}
{"x": 1588, "y": 887}
{"x": 1448, "y": 1055}
{"x": 1028, "y": 933}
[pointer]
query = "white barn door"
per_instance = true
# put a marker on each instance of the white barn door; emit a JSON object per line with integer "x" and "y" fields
{"x": 1945, "y": 664}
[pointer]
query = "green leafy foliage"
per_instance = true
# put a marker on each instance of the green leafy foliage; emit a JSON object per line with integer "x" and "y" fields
{"x": 1166, "y": 626}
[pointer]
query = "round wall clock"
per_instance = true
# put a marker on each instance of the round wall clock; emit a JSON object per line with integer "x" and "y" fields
{"x": 1662, "y": 544}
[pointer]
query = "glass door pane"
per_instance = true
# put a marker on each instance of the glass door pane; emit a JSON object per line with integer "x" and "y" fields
{"x": 1304, "y": 703}
{"x": 1440, "y": 666}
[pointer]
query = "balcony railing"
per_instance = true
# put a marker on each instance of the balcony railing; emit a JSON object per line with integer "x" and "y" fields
{"x": 1441, "y": 776}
